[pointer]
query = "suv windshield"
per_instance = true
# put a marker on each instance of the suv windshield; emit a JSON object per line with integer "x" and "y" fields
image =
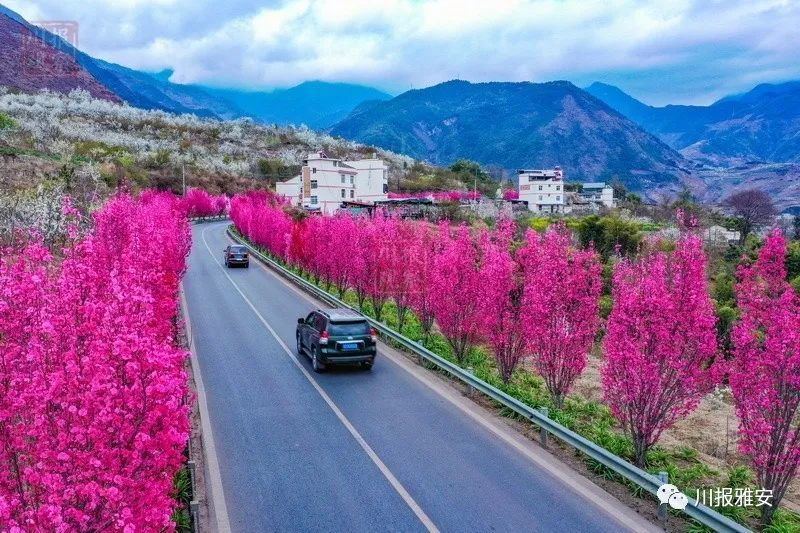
{"x": 238, "y": 249}
{"x": 348, "y": 328}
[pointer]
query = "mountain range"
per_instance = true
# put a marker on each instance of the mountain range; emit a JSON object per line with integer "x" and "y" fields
{"x": 762, "y": 125}
{"x": 517, "y": 125}
{"x": 597, "y": 133}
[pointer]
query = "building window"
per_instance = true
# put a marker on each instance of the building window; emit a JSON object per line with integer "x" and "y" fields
{"x": 558, "y": 187}
{"x": 313, "y": 184}
{"x": 558, "y": 198}
{"x": 343, "y": 194}
{"x": 342, "y": 178}
{"x": 540, "y": 196}
{"x": 314, "y": 200}
{"x": 352, "y": 193}
{"x": 352, "y": 180}
{"x": 314, "y": 170}
{"x": 540, "y": 188}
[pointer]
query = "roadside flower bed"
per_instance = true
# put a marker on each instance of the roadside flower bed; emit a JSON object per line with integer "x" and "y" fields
{"x": 93, "y": 391}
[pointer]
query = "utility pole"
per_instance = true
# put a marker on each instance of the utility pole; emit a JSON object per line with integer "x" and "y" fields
{"x": 475, "y": 187}
{"x": 183, "y": 177}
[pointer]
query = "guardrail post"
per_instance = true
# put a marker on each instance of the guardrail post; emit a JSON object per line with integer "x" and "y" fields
{"x": 470, "y": 388}
{"x": 543, "y": 433}
{"x": 194, "y": 512}
{"x": 663, "y": 507}
{"x": 192, "y": 465}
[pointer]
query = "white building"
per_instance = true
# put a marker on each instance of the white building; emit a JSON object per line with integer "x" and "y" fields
{"x": 543, "y": 190}
{"x": 720, "y": 235}
{"x": 598, "y": 194}
{"x": 324, "y": 183}
{"x": 372, "y": 181}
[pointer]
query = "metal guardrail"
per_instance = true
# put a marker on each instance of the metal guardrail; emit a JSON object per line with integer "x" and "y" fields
{"x": 649, "y": 482}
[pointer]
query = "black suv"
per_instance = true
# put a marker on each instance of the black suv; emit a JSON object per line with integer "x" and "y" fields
{"x": 336, "y": 336}
{"x": 236, "y": 254}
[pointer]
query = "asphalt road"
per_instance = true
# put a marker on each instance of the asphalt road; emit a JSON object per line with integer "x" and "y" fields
{"x": 348, "y": 450}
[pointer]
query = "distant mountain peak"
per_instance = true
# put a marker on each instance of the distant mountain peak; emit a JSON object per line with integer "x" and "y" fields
{"x": 516, "y": 125}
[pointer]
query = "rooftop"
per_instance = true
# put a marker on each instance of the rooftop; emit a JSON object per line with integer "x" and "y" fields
{"x": 594, "y": 185}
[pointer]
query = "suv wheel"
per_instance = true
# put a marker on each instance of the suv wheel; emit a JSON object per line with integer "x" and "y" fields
{"x": 315, "y": 364}
{"x": 299, "y": 346}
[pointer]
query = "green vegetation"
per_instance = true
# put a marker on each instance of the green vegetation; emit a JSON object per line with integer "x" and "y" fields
{"x": 462, "y": 174}
{"x": 98, "y": 151}
{"x": 182, "y": 492}
{"x": 6, "y": 122}
{"x": 609, "y": 235}
{"x": 275, "y": 170}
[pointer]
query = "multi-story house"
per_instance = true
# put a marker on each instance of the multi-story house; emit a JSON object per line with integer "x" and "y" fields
{"x": 598, "y": 194}
{"x": 325, "y": 182}
{"x": 372, "y": 181}
{"x": 543, "y": 190}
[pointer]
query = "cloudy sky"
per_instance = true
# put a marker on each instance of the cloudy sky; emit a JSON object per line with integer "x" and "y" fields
{"x": 661, "y": 51}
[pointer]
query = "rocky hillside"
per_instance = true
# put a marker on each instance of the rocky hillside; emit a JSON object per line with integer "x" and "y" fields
{"x": 745, "y": 141}
{"x": 762, "y": 125}
{"x": 517, "y": 125}
{"x": 29, "y": 63}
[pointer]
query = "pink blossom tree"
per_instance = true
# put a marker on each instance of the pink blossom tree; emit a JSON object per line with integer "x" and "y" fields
{"x": 402, "y": 282}
{"x": 560, "y": 311}
{"x": 260, "y": 216}
{"x": 423, "y": 251}
{"x": 503, "y": 319}
{"x": 457, "y": 290}
{"x": 93, "y": 411}
{"x": 765, "y": 372}
{"x": 378, "y": 262}
{"x": 660, "y": 344}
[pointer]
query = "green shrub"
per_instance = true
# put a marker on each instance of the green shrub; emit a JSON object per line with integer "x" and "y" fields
{"x": 182, "y": 486}
{"x": 793, "y": 259}
{"x": 539, "y": 224}
{"x": 796, "y": 284}
{"x": 609, "y": 233}
{"x": 6, "y": 122}
{"x": 98, "y": 150}
{"x": 606, "y": 303}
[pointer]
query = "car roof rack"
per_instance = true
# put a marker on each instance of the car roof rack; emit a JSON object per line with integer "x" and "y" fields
{"x": 342, "y": 314}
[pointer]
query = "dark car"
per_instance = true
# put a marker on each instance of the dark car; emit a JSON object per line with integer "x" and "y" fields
{"x": 336, "y": 337}
{"x": 236, "y": 255}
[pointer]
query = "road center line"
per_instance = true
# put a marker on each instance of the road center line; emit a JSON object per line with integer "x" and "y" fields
{"x": 390, "y": 477}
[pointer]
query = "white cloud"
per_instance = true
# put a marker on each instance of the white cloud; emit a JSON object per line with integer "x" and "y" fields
{"x": 663, "y": 51}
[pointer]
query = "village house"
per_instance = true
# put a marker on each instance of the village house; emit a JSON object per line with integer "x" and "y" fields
{"x": 598, "y": 194}
{"x": 325, "y": 182}
{"x": 543, "y": 190}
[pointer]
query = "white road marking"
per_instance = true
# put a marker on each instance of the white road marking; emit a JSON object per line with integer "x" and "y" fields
{"x": 393, "y": 481}
{"x": 215, "y": 483}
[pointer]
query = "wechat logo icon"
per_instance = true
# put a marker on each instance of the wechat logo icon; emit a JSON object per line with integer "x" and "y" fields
{"x": 670, "y": 494}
